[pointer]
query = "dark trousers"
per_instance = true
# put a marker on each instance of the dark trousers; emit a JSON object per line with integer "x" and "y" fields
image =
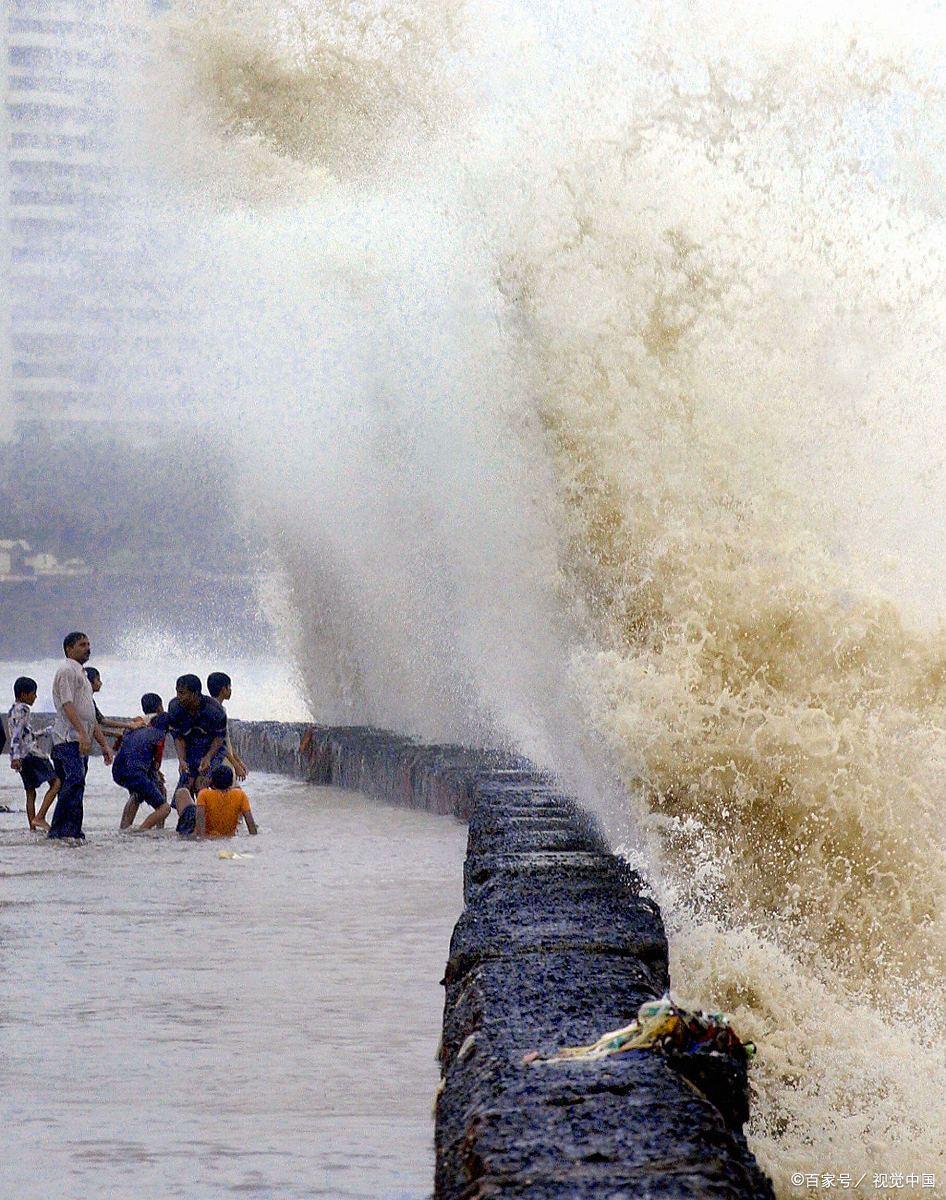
{"x": 71, "y": 768}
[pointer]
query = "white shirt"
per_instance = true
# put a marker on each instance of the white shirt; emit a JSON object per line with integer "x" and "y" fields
{"x": 71, "y": 686}
{"x": 22, "y": 739}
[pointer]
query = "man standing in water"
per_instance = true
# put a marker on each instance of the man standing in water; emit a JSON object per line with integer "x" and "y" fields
{"x": 73, "y": 730}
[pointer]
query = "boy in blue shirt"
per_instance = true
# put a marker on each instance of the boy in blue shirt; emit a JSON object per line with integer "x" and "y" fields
{"x": 137, "y": 766}
{"x": 199, "y": 728}
{"x": 34, "y": 768}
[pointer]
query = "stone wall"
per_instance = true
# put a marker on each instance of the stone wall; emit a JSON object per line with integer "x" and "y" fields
{"x": 555, "y": 946}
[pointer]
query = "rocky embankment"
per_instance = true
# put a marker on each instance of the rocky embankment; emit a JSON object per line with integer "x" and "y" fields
{"x": 556, "y": 945}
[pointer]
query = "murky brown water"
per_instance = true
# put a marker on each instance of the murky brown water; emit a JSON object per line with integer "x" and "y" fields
{"x": 177, "y": 1025}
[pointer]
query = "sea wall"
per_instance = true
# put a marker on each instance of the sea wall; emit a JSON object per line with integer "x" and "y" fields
{"x": 556, "y": 945}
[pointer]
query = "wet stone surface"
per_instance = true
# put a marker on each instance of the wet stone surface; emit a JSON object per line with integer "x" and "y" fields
{"x": 556, "y": 945}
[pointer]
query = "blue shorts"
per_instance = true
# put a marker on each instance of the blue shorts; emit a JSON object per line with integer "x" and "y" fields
{"x": 140, "y": 785}
{"x": 35, "y": 771}
{"x": 187, "y": 821}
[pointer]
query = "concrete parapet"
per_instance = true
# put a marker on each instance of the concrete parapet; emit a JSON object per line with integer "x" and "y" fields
{"x": 555, "y": 946}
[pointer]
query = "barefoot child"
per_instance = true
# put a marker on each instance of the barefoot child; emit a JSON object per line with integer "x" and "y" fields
{"x": 35, "y": 768}
{"x": 137, "y": 767}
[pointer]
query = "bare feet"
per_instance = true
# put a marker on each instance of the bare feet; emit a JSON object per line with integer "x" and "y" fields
{"x": 39, "y": 826}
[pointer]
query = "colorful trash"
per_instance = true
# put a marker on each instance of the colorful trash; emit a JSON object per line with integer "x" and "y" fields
{"x": 660, "y": 1025}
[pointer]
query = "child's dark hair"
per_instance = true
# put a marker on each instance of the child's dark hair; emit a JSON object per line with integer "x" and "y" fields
{"x": 221, "y": 777}
{"x": 216, "y": 682}
{"x": 190, "y": 683}
{"x": 24, "y": 686}
{"x": 92, "y": 673}
{"x": 151, "y": 702}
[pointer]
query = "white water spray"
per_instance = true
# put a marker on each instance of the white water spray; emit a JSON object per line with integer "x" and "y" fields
{"x": 588, "y": 395}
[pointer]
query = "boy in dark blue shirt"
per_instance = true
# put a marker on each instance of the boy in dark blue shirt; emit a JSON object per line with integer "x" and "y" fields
{"x": 199, "y": 728}
{"x": 137, "y": 766}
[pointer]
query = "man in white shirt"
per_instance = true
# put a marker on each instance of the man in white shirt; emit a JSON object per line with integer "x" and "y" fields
{"x": 73, "y": 730}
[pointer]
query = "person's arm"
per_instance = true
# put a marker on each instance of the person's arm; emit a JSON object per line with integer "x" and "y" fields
{"x": 181, "y": 747}
{"x": 117, "y": 725}
{"x": 103, "y": 742}
{"x": 208, "y": 757}
{"x": 156, "y": 765}
{"x": 246, "y": 813}
{"x": 239, "y": 767}
{"x": 239, "y": 770}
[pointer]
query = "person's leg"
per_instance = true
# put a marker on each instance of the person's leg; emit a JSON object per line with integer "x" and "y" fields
{"x": 186, "y": 812}
{"x": 34, "y": 771}
{"x": 158, "y": 780}
{"x": 59, "y": 762}
{"x": 156, "y": 819}
{"x": 70, "y": 767}
{"x": 51, "y": 794}
{"x": 144, "y": 787}
{"x": 129, "y": 812}
{"x": 188, "y": 781}
{"x": 31, "y": 806}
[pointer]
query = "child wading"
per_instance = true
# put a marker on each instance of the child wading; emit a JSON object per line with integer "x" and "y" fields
{"x": 137, "y": 766}
{"x": 35, "y": 768}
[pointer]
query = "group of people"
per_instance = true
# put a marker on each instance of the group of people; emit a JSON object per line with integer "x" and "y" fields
{"x": 207, "y": 802}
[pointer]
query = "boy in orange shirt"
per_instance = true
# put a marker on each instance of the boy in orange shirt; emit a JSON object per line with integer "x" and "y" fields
{"x": 220, "y": 806}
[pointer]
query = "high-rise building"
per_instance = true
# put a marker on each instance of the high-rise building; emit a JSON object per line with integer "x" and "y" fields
{"x": 62, "y": 68}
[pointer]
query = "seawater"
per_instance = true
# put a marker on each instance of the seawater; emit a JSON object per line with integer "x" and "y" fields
{"x": 583, "y": 367}
{"x": 177, "y": 1024}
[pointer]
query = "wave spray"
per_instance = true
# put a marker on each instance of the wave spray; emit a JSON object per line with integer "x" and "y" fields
{"x": 580, "y": 375}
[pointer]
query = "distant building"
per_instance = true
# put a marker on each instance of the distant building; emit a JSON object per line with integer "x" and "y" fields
{"x": 13, "y": 554}
{"x": 59, "y": 99}
{"x": 18, "y": 563}
{"x": 74, "y": 566}
{"x": 43, "y": 564}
